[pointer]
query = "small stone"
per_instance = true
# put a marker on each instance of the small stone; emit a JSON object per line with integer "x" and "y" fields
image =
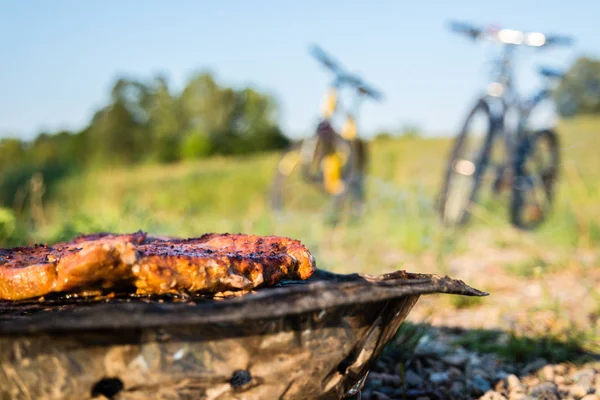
{"x": 436, "y": 365}
{"x": 474, "y": 360}
{"x": 375, "y": 383}
{"x": 379, "y": 396}
{"x": 560, "y": 380}
{"x": 585, "y": 379}
{"x": 500, "y": 385}
{"x": 584, "y": 374}
{"x": 414, "y": 393}
{"x": 456, "y": 359}
{"x": 534, "y": 366}
{"x": 427, "y": 347}
{"x": 513, "y": 382}
{"x": 578, "y": 390}
{"x": 546, "y": 391}
{"x": 560, "y": 369}
{"x": 490, "y": 364}
{"x": 454, "y": 373}
{"x": 479, "y": 371}
{"x": 563, "y": 388}
{"x": 458, "y": 388}
{"x": 531, "y": 381}
{"x": 548, "y": 373}
{"x": 591, "y": 397}
{"x": 438, "y": 377}
{"x": 481, "y": 384}
{"x": 419, "y": 367}
{"x": 412, "y": 379}
{"x": 491, "y": 395}
{"x": 387, "y": 379}
{"x": 387, "y": 390}
{"x": 517, "y": 396}
{"x": 501, "y": 375}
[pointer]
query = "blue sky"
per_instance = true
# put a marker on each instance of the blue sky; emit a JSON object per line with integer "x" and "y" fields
{"x": 59, "y": 58}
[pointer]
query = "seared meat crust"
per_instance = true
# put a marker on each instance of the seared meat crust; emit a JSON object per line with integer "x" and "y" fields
{"x": 210, "y": 263}
{"x": 216, "y": 262}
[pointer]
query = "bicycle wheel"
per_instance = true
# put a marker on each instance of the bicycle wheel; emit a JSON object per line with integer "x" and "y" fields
{"x": 309, "y": 180}
{"x": 358, "y": 167}
{"x": 468, "y": 161}
{"x": 536, "y": 172}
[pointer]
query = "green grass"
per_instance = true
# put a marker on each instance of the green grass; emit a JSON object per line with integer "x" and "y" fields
{"x": 524, "y": 349}
{"x": 230, "y": 194}
{"x": 462, "y": 302}
{"x": 528, "y": 268}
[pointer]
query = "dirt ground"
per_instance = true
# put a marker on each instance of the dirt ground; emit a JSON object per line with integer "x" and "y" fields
{"x": 533, "y": 294}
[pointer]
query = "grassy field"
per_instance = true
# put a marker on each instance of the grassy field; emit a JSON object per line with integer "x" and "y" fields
{"x": 398, "y": 231}
{"x": 229, "y": 194}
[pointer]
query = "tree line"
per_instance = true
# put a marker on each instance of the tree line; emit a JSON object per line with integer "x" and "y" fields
{"x": 147, "y": 122}
{"x": 579, "y": 91}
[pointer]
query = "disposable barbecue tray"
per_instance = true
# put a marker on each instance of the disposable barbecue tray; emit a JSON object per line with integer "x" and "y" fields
{"x": 299, "y": 340}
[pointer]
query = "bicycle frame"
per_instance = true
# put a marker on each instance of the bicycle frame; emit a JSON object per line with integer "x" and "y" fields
{"x": 502, "y": 96}
{"x": 331, "y": 106}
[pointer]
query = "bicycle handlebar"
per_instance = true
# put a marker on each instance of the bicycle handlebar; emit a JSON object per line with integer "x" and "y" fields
{"x": 324, "y": 59}
{"x": 342, "y": 77}
{"x": 469, "y": 30}
{"x": 362, "y": 87}
{"x": 559, "y": 40}
{"x": 510, "y": 36}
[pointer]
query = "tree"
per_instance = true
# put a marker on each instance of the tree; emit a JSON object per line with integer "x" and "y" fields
{"x": 206, "y": 106}
{"x": 579, "y": 90}
{"x": 235, "y": 121}
{"x": 165, "y": 122}
{"x": 119, "y": 132}
{"x": 256, "y": 122}
{"x": 12, "y": 151}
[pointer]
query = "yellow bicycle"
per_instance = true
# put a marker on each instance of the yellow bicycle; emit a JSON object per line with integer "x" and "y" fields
{"x": 327, "y": 168}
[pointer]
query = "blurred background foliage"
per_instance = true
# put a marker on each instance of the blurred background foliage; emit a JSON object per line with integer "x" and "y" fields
{"x": 145, "y": 122}
{"x": 579, "y": 90}
{"x": 151, "y": 156}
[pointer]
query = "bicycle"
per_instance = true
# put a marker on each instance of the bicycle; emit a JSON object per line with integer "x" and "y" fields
{"x": 531, "y": 157}
{"x": 328, "y": 167}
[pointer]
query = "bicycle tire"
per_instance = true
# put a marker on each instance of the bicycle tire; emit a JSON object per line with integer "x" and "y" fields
{"x": 478, "y": 167}
{"x": 276, "y": 195}
{"x": 354, "y": 179}
{"x": 524, "y": 180}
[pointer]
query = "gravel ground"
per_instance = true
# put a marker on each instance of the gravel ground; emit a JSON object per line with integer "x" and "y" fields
{"x": 561, "y": 299}
{"x": 439, "y": 370}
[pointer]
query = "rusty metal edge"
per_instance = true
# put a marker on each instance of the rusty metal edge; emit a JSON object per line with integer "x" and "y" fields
{"x": 325, "y": 290}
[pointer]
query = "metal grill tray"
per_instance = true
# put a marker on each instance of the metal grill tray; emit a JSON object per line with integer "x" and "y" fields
{"x": 310, "y": 339}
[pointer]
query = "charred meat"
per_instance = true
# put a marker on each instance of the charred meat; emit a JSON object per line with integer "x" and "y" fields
{"x": 210, "y": 263}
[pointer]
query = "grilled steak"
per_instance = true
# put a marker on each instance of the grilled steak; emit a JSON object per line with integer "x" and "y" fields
{"x": 210, "y": 263}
